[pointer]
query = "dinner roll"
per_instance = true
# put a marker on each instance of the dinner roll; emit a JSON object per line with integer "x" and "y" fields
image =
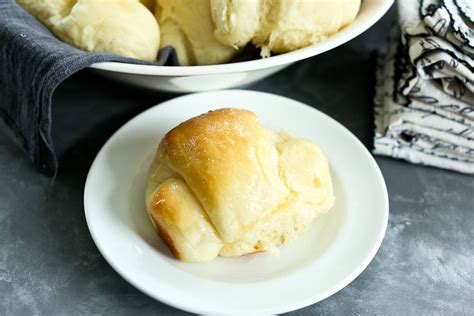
{"x": 123, "y": 27}
{"x": 187, "y": 26}
{"x": 280, "y": 25}
{"x": 221, "y": 184}
{"x": 289, "y": 25}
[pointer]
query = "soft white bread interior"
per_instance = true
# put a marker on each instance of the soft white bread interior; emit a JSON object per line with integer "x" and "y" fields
{"x": 221, "y": 184}
{"x": 123, "y": 27}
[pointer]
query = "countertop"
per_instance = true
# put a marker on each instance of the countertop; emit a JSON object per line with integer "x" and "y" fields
{"x": 49, "y": 264}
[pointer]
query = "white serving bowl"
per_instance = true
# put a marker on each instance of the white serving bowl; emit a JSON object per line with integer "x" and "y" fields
{"x": 214, "y": 77}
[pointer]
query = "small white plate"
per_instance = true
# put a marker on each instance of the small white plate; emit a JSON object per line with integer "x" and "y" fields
{"x": 316, "y": 265}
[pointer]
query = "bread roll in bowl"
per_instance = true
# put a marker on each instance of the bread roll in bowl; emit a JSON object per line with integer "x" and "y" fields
{"x": 280, "y": 26}
{"x": 122, "y": 27}
{"x": 221, "y": 184}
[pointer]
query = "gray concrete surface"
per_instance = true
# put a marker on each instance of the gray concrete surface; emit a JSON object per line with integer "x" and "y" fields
{"x": 49, "y": 264}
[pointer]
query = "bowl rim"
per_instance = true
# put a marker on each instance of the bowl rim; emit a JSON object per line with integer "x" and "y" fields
{"x": 363, "y": 22}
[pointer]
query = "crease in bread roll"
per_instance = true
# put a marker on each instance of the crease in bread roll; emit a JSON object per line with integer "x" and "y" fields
{"x": 150, "y": 4}
{"x": 123, "y": 27}
{"x": 236, "y": 21}
{"x": 187, "y": 26}
{"x": 221, "y": 184}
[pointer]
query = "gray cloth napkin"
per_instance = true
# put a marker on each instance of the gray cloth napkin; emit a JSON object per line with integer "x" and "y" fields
{"x": 424, "y": 103}
{"x": 32, "y": 65}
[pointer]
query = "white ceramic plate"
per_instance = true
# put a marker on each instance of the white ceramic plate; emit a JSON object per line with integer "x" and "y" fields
{"x": 318, "y": 264}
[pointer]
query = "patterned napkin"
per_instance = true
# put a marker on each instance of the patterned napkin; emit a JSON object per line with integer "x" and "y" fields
{"x": 424, "y": 103}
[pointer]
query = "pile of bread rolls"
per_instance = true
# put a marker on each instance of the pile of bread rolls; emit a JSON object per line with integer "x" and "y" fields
{"x": 203, "y": 32}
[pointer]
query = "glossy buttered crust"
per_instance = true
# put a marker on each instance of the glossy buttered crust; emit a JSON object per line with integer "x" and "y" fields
{"x": 221, "y": 184}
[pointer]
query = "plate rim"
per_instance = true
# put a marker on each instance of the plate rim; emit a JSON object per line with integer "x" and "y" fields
{"x": 289, "y": 307}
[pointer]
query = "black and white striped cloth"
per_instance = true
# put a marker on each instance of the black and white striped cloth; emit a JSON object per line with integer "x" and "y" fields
{"x": 424, "y": 103}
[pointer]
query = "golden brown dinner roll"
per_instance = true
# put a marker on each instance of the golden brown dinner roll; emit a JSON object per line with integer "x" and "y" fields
{"x": 187, "y": 26}
{"x": 123, "y": 27}
{"x": 223, "y": 184}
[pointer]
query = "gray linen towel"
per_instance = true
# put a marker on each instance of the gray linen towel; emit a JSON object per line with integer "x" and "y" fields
{"x": 32, "y": 65}
{"x": 424, "y": 103}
